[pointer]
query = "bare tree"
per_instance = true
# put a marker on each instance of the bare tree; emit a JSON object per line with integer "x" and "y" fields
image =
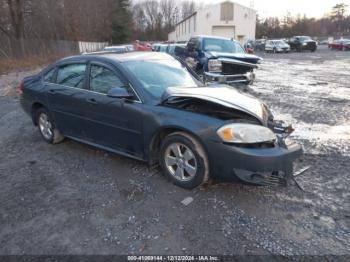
{"x": 187, "y": 8}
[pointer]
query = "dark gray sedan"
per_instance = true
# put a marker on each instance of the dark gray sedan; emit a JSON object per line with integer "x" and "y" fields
{"x": 151, "y": 107}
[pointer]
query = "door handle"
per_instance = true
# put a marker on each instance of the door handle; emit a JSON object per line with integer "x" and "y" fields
{"x": 52, "y": 91}
{"x": 91, "y": 101}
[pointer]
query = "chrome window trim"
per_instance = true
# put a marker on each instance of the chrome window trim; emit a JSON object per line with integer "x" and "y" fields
{"x": 84, "y": 89}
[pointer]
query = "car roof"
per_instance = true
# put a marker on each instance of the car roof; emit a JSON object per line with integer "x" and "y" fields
{"x": 123, "y": 57}
{"x": 211, "y": 36}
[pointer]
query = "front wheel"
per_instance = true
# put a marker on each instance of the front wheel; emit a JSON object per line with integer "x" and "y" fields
{"x": 184, "y": 161}
{"x": 47, "y": 127}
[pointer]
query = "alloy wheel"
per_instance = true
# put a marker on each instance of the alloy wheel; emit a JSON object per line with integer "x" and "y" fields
{"x": 45, "y": 126}
{"x": 180, "y": 162}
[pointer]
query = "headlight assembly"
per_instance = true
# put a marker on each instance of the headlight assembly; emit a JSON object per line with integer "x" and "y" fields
{"x": 214, "y": 65}
{"x": 245, "y": 134}
{"x": 304, "y": 44}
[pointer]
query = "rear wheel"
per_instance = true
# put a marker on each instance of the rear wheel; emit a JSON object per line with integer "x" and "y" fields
{"x": 47, "y": 127}
{"x": 184, "y": 161}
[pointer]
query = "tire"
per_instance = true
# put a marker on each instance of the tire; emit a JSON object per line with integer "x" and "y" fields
{"x": 47, "y": 127}
{"x": 184, "y": 161}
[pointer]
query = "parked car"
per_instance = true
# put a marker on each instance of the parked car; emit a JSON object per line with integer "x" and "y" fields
{"x": 149, "y": 106}
{"x": 130, "y": 47}
{"x": 141, "y": 46}
{"x": 155, "y": 46}
{"x": 248, "y": 47}
{"x": 220, "y": 59}
{"x": 116, "y": 49}
{"x": 277, "y": 46}
{"x": 259, "y": 44}
{"x": 173, "y": 49}
{"x": 162, "y": 48}
{"x": 301, "y": 43}
{"x": 340, "y": 44}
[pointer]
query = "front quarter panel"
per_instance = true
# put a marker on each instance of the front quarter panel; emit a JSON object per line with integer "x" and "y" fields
{"x": 161, "y": 118}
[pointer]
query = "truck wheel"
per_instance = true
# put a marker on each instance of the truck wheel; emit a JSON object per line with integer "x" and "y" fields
{"x": 47, "y": 127}
{"x": 184, "y": 161}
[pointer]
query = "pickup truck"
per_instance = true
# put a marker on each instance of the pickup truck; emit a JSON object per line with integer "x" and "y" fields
{"x": 219, "y": 59}
{"x": 300, "y": 43}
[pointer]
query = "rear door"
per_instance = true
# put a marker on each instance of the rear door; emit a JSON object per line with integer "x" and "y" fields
{"x": 66, "y": 98}
{"x": 112, "y": 122}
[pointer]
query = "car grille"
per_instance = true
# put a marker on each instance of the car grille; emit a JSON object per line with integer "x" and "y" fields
{"x": 270, "y": 179}
{"x": 232, "y": 69}
{"x": 311, "y": 45}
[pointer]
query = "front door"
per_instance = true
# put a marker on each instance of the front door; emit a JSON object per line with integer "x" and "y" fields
{"x": 66, "y": 99}
{"x": 112, "y": 122}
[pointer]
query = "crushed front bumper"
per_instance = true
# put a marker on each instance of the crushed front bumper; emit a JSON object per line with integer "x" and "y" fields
{"x": 248, "y": 77}
{"x": 258, "y": 166}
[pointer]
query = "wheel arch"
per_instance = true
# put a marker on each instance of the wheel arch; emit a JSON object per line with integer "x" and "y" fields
{"x": 35, "y": 107}
{"x": 160, "y": 134}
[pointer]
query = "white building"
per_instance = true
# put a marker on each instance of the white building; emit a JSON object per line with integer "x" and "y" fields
{"x": 226, "y": 19}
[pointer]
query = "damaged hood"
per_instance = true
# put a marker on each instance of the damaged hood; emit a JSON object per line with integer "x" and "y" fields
{"x": 225, "y": 96}
{"x": 253, "y": 59}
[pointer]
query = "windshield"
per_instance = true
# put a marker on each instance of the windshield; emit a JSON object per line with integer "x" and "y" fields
{"x": 156, "y": 76}
{"x": 280, "y": 42}
{"x": 222, "y": 45}
{"x": 304, "y": 38}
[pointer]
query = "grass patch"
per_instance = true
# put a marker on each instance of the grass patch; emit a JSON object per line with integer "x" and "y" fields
{"x": 8, "y": 65}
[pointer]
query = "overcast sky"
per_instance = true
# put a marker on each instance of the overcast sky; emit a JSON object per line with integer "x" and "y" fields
{"x": 266, "y": 8}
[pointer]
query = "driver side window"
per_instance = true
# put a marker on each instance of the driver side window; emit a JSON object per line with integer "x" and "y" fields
{"x": 103, "y": 79}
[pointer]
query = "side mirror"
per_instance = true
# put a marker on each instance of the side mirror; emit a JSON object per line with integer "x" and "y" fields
{"x": 194, "y": 54}
{"x": 190, "y": 47}
{"x": 119, "y": 92}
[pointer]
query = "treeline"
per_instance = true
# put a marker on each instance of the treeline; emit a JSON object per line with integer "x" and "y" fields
{"x": 336, "y": 24}
{"x": 85, "y": 20}
{"x": 154, "y": 19}
{"x": 120, "y": 21}
{"x": 115, "y": 21}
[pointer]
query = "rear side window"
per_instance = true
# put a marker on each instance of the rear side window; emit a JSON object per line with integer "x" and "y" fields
{"x": 72, "y": 75}
{"x": 48, "y": 77}
{"x": 103, "y": 79}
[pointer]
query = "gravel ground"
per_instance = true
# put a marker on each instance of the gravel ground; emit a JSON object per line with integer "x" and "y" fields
{"x": 73, "y": 199}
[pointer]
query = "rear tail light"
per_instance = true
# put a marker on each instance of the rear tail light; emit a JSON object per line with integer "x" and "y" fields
{"x": 21, "y": 87}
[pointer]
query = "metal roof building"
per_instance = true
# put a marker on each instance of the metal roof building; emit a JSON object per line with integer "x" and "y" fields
{"x": 226, "y": 19}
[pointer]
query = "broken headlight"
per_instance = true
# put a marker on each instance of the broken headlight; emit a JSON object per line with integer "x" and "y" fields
{"x": 246, "y": 133}
{"x": 214, "y": 65}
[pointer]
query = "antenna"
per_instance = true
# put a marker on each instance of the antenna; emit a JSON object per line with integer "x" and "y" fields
{"x": 251, "y": 5}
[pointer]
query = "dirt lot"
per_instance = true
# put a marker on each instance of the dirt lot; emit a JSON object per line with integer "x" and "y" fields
{"x": 73, "y": 199}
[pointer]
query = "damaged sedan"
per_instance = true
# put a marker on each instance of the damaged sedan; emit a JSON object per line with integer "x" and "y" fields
{"x": 149, "y": 106}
